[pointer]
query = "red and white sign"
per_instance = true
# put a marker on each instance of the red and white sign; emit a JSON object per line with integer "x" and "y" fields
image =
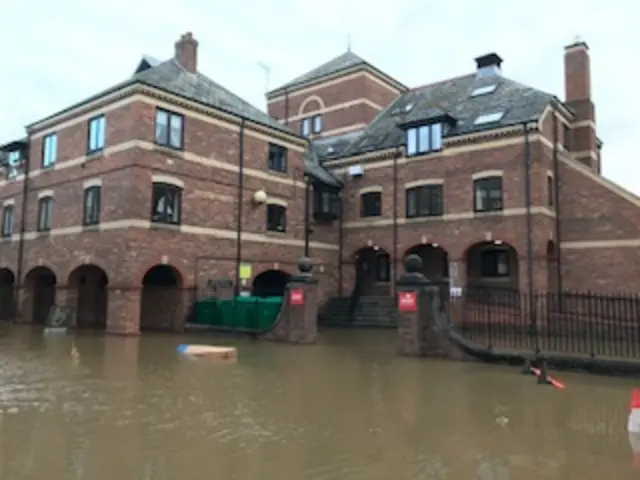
{"x": 407, "y": 301}
{"x": 296, "y": 297}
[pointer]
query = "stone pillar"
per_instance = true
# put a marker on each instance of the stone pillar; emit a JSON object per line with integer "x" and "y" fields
{"x": 298, "y": 322}
{"x": 25, "y": 300}
{"x": 420, "y": 330}
{"x": 123, "y": 311}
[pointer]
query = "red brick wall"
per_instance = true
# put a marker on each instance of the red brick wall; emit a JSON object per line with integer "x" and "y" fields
{"x": 334, "y": 93}
{"x": 209, "y": 201}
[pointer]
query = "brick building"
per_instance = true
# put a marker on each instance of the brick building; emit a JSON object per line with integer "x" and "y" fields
{"x": 168, "y": 179}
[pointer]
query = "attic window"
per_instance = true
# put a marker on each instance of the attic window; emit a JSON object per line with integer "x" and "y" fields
{"x": 489, "y": 118}
{"x": 484, "y": 90}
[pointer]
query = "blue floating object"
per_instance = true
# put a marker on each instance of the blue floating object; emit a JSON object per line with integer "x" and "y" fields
{"x": 182, "y": 348}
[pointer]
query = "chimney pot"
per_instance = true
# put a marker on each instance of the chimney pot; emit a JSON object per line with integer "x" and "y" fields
{"x": 186, "y": 52}
{"x": 489, "y": 64}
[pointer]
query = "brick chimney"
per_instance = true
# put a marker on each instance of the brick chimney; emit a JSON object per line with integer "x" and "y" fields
{"x": 577, "y": 72}
{"x": 187, "y": 52}
{"x": 577, "y": 87}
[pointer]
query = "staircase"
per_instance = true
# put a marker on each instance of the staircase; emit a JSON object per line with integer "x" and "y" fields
{"x": 372, "y": 311}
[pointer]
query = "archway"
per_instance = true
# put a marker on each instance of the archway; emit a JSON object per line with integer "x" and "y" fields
{"x": 41, "y": 288}
{"x": 435, "y": 261}
{"x": 373, "y": 271}
{"x": 7, "y": 294}
{"x": 88, "y": 284}
{"x": 161, "y": 300}
{"x": 491, "y": 266}
{"x": 270, "y": 283}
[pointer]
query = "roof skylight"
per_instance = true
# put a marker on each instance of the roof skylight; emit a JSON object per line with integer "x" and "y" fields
{"x": 489, "y": 118}
{"x": 408, "y": 107}
{"x": 484, "y": 90}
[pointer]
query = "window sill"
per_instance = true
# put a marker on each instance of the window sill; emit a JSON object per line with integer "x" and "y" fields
{"x": 275, "y": 233}
{"x": 281, "y": 173}
{"x": 488, "y": 213}
{"x": 417, "y": 218}
{"x": 95, "y": 154}
{"x": 43, "y": 233}
{"x": 173, "y": 227}
{"x": 93, "y": 227}
{"x": 8, "y": 239}
{"x": 422, "y": 154}
{"x": 371, "y": 218}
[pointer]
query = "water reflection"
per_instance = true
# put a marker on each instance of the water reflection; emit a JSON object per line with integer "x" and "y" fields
{"x": 104, "y": 407}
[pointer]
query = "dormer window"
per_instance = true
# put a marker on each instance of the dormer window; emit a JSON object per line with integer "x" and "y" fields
{"x": 424, "y": 139}
{"x": 488, "y": 118}
{"x": 486, "y": 89}
{"x": 14, "y": 164}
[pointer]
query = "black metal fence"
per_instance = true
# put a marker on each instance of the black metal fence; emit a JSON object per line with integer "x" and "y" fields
{"x": 591, "y": 324}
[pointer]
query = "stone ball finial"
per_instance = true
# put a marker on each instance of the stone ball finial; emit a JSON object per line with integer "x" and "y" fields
{"x": 413, "y": 263}
{"x": 305, "y": 265}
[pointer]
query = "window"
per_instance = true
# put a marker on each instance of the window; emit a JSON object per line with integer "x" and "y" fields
{"x": 277, "y": 158}
{"x": 305, "y": 127}
{"x": 169, "y": 129}
{"x": 91, "y": 215}
{"x": 424, "y": 201}
{"x": 484, "y": 90}
{"x": 96, "y": 134}
{"x": 166, "y": 203}
{"x": 566, "y": 137}
{"x": 494, "y": 263}
{"x": 550, "y": 191}
{"x": 489, "y": 118}
{"x": 488, "y": 194}
{"x": 371, "y": 204}
{"x": 14, "y": 164}
{"x": 49, "y": 150}
{"x": 426, "y": 138}
{"x": 7, "y": 221}
{"x": 276, "y": 218}
{"x": 317, "y": 124}
{"x": 45, "y": 209}
{"x": 326, "y": 203}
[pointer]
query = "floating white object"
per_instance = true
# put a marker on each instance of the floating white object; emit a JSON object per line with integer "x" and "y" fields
{"x": 209, "y": 351}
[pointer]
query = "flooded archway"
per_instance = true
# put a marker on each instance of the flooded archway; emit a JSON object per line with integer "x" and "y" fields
{"x": 7, "y": 294}
{"x": 373, "y": 271}
{"x": 88, "y": 284}
{"x": 40, "y": 284}
{"x": 161, "y": 299}
{"x": 435, "y": 261}
{"x": 270, "y": 283}
{"x": 492, "y": 272}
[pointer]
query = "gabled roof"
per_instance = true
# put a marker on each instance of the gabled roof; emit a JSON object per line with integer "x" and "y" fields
{"x": 520, "y": 103}
{"x": 341, "y": 63}
{"x": 170, "y": 77}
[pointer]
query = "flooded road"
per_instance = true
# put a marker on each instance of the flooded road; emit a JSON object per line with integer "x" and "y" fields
{"x": 94, "y": 407}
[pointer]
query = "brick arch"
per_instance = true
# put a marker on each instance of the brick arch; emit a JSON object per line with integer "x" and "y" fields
{"x": 96, "y": 262}
{"x": 313, "y": 98}
{"x": 262, "y": 285}
{"x": 28, "y": 268}
{"x": 146, "y": 266}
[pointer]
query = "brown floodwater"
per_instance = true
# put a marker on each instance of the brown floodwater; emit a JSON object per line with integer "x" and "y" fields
{"x": 96, "y": 407}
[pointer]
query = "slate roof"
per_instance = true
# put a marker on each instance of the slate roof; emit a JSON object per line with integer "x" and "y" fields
{"x": 452, "y": 97}
{"x": 335, "y": 65}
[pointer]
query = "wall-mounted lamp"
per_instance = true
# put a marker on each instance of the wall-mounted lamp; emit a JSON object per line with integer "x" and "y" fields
{"x": 260, "y": 197}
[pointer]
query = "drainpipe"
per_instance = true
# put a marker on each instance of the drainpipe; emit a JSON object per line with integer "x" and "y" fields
{"x": 23, "y": 229}
{"x": 239, "y": 206}
{"x": 307, "y": 221}
{"x": 394, "y": 252}
{"x": 527, "y": 193}
{"x": 556, "y": 200}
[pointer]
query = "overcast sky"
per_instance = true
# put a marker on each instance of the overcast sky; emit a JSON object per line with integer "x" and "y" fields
{"x": 57, "y": 53}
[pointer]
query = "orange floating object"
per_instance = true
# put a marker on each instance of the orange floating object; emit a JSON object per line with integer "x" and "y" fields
{"x": 555, "y": 383}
